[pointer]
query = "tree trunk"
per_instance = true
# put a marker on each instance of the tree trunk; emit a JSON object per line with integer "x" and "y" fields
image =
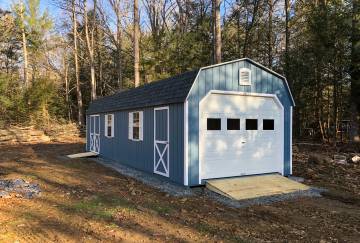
{"x": 270, "y": 19}
{"x": 355, "y": 73}
{"x": 136, "y": 44}
{"x": 217, "y": 31}
{"x": 119, "y": 45}
{"x": 66, "y": 80}
{"x": 90, "y": 46}
{"x": 238, "y": 31}
{"x": 248, "y": 28}
{"x": 287, "y": 40}
{"x": 24, "y": 44}
{"x": 77, "y": 72}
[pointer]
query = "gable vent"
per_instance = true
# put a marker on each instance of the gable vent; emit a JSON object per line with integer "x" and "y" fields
{"x": 244, "y": 76}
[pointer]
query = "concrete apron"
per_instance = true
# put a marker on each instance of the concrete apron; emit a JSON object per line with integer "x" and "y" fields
{"x": 249, "y": 187}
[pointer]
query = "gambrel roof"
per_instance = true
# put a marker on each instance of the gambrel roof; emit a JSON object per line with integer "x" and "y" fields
{"x": 166, "y": 91}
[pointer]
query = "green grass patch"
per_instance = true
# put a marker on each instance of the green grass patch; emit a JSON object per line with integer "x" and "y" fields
{"x": 161, "y": 209}
{"x": 101, "y": 207}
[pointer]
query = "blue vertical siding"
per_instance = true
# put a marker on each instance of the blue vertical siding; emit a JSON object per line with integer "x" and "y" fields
{"x": 140, "y": 154}
{"x": 226, "y": 77}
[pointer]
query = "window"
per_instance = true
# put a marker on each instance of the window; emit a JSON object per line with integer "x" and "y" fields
{"x": 244, "y": 76}
{"x": 213, "y": 124}
{"x": 233, "y": 124}
{"x": 109, "y": 125}
{"x": 136, "y": 125}
{"x": 268, "y": 124}
{"x": 251, "y": 124}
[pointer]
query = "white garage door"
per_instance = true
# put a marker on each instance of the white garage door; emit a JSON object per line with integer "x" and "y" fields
{"x": 240, "y": 135}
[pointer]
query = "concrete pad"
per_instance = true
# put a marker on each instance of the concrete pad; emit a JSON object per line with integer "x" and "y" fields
{"x": 82, "y": 155}
{"x": 248, "y": 187}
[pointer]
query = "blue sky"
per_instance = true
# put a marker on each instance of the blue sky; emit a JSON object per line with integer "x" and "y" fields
{"x": 55, "y": 12}
{"x": 44, "y": 4}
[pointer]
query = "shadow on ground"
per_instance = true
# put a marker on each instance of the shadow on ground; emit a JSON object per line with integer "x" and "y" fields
{"x": 84, "y": 201}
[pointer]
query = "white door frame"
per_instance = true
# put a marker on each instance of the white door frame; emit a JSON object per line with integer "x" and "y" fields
{"x": 166, "y": 148}
{"x": 94, "y": 136}
{"x": 277, "y": 101}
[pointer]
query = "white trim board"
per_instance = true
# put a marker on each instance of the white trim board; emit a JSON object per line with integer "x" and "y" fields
{"x": 291, "y": 142}
{"x": 186, "y": 148}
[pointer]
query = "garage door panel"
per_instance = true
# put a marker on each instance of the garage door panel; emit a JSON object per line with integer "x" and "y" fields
{"x": 239, "y": 104}
{"x": 225, "y": 153}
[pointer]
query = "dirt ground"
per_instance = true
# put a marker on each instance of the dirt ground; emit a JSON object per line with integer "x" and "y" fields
{"x": 82, "y": 201}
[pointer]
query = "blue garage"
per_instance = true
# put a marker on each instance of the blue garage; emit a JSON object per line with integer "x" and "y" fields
{"x": 225, "y": 120}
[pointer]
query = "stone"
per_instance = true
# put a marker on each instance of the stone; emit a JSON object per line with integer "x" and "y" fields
{"x": 4, "y": 194}
{"x": 183, "y": 200}
{"x": 319, "y": 159}
{"x": 20, "y": 188}
{"x": 340, "y": 159}
{"x": 28, "y": 195}
{"x": 18, "y": 182}
{"x": 355, "y": 159}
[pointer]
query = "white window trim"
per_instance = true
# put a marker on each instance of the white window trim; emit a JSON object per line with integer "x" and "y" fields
{"x": 106, "y": 125}
{"x": 131, "y": 126}
{"x": 244, "y": 70}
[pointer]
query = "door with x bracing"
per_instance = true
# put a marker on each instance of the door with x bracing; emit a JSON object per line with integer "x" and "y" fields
{"x": 161, "y": 141}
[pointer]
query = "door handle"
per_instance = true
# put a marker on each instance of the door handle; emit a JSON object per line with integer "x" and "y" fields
{"x": 243, "y": 142}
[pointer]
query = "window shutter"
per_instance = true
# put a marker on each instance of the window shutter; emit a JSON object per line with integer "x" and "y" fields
{"x": 141, "y": 118}
{"x": 112, "y": 125}
{"x": 130, "y": 125}
{"x": 106, "y": 128}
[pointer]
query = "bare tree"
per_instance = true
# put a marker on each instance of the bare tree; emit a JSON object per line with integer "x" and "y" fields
{"x": 115, "y": 4}
{"x": 217, "y": 30}
{"x": 77, "y": 72}
{"x": 136, "y": 43}
{"x": 287, "y": 38}
{"x": 67, "y": 86}
{"x": 271, "y": 4}
{"x": 250, "y": 23}
{"x": 24, "y": 44}
{"x": 355, "y": 73}
{"x": 89, "y": 36}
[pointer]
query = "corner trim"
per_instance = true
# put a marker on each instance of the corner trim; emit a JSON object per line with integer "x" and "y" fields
{"x": 291, "y": 142}
{"x": 186, "y": 149}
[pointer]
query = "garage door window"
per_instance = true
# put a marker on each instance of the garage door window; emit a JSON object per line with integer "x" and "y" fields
{"x": 251, "y": 124}
{"x": 213, "y": 124}
{"x": 233, "y": 124}
{"x": 268, "y": 124}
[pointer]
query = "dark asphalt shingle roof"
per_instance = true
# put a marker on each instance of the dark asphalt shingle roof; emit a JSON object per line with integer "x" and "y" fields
{"x": 166, "y": 91}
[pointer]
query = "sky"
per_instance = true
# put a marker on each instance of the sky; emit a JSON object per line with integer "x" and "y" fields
{"x": 50, "y": 5}
{"x": 56, "y": 13}
{"x": 44, "y": 4}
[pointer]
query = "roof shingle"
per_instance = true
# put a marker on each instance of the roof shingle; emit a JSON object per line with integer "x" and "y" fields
{"x": 166, "y": 91}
